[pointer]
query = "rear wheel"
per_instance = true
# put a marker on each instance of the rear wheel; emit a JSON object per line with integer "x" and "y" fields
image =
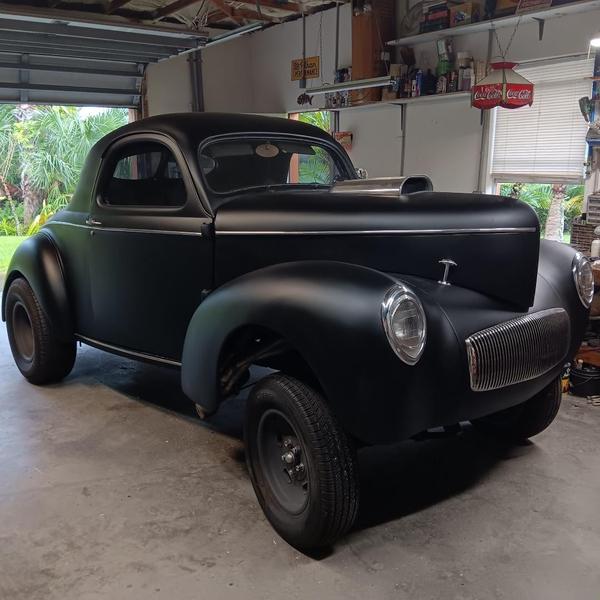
{"x": 301, "y": 463}
{"x": 38, "y": 354}
{"x": 527, "y": 419}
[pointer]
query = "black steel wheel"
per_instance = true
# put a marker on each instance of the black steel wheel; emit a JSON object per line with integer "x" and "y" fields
{"x": 301, "y": 463}
{"x": 38, "y": 354}
{"x": 527, "y": 419}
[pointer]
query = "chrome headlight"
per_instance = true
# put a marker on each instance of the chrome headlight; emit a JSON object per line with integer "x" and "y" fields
{"x": 404, "y": 323}
{"x": 584, "y": 279}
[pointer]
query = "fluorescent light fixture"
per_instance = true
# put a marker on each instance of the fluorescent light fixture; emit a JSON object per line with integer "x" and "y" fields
{"x": 235, "y": 33}
{"x": 347, "y": 86}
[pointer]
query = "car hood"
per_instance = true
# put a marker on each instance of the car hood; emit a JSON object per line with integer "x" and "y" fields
{"x": 493, "y": 239}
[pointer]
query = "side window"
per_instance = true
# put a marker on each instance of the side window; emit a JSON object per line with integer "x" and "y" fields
{"x": 144, "y": 174}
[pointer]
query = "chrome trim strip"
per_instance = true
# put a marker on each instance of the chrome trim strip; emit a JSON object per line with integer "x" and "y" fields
{"x": 132, "y": 353}
{"x": 387, "y": 231}
{"x": 126, "y": 230}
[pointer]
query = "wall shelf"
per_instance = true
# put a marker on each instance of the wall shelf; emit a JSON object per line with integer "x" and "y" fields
{"x": 400, "y": 101}
{"x": 511, "y": 20}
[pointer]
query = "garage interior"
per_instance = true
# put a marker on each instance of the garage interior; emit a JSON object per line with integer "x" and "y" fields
{"x": 112, "y": 485}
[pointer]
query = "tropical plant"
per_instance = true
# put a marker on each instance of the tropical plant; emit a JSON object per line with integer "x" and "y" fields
{"x": 540, "y": 197}
{"x": 318, "y": 118}
{"x": 42, "y": 151}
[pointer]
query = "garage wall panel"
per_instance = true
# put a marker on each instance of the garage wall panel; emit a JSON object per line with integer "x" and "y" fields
{"x": 377, "y": 139}
{"x": 443, "y": 140}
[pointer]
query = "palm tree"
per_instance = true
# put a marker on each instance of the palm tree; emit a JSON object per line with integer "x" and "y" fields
{"x": 555, "y": 223}
{"x": 43, "y": 149}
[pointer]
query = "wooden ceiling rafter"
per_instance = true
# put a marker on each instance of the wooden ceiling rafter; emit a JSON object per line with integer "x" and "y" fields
{"x": 173, "y": 7}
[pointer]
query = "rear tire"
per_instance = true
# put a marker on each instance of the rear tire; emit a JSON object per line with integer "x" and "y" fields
{"x": 527, "y": 419}
{"x": 301, "y": 463}
{"x": 38, "y": 354}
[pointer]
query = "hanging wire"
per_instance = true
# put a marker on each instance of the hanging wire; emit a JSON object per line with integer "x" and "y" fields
{"x": 504, "y": 52}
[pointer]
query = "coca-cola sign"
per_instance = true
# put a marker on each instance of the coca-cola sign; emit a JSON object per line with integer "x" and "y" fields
{"x": 502, "y": 87}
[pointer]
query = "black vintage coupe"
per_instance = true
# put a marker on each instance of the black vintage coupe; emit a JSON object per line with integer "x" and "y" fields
{"x": 211, "y": 243}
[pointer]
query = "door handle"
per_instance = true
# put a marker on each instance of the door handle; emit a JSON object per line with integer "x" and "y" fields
{"x": 92, "y": 222}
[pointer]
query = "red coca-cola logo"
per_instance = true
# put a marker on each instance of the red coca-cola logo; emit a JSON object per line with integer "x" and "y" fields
{"x": 487, "y": 93}
{"x": 519, "y": 94}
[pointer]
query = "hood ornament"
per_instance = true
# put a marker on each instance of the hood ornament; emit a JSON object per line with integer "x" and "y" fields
{"x": 447, "y": 262}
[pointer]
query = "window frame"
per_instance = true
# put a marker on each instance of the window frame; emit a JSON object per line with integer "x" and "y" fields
{"x": 110, "y": 160}
{"x": 343, "y": 158}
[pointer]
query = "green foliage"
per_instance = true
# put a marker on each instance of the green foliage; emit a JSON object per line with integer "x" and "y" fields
{"x": 42, "y": 151}
{"x": 318, "y": 118}
{"x": 8, "y": 245}
{"x": 317, "y": 168}
{"x": 539, "y": 197}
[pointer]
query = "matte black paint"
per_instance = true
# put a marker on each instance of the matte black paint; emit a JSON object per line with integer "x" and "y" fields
{"x": 138, "y": 280}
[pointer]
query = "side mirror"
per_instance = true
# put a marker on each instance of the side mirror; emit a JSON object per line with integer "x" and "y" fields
{"x": 362, "y": 173}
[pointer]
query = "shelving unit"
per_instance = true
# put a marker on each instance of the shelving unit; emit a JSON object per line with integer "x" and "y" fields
{"x": 539, "y": 15}
{"x": 404, "y": 101}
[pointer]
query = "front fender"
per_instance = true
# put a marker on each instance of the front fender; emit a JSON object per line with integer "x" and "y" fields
{"x": 329, "y": 312}
{"x": 37, "y": 260}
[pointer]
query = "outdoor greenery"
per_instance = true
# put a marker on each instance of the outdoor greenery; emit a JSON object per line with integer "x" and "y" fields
{"x": 317, "y": 168}
{"x": 556, "y": 205}
{"x": 8, "y": 244}
{"x": 42, "y": 150}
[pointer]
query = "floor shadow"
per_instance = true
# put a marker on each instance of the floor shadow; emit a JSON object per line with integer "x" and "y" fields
{"x": 395, "y": 480}
{"x": 408, "y": 477}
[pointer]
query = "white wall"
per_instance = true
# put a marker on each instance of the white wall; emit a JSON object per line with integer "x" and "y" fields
{"x": 227, "y": 76}
{"x": 377, "y": 138}
{"x": 169, "y": 86}
{"x": 443, "y": 140}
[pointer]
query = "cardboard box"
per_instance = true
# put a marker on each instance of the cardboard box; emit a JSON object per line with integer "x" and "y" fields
{"x": 462, "y": 14}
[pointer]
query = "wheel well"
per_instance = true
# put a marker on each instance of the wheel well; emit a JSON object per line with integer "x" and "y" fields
{"x": 257, "y": 345}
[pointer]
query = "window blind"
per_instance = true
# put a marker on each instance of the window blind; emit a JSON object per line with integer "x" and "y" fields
{"x": 545, "y": 141}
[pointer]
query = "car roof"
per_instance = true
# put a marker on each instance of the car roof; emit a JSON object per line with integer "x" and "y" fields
{"x": 196, "y": 127}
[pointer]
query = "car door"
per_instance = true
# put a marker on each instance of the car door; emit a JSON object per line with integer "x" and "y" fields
{"x": 151, "y": 252}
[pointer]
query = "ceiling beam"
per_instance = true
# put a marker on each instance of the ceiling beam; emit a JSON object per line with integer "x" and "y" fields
{"x": 110, "y": 22}
{"x": 116, "y": 5}
{"x": 239, "y": 14}
{"x": 174, "y": 7}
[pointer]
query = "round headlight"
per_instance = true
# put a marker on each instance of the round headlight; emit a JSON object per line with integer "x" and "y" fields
{"x": 404, "y": 323}
{"x": 584, "y": 279}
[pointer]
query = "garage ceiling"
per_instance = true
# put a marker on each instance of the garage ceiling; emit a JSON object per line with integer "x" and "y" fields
{"x": 94, "y": 52}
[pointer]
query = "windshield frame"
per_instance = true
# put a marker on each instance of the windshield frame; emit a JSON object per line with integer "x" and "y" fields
{"x": 342, "y": 160}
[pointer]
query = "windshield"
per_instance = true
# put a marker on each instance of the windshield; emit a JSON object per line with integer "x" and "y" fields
{"x": 233, "y": 165}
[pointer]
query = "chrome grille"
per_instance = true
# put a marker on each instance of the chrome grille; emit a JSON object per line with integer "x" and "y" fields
{"x": 517, "y": 350}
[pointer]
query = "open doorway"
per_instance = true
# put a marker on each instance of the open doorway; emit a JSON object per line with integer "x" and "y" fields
{"x": 42, "y": 150}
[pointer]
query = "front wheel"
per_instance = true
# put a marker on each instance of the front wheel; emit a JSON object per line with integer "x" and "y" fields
{"x": 527, "y": 419}
{"x": 301, "y": 463}
{"x": 38, "y": 354}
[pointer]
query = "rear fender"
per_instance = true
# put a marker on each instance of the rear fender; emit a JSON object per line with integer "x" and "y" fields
{"x": 38, "y": 261}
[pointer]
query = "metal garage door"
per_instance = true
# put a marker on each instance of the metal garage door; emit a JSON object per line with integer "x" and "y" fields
{"x": 98, "y": 62}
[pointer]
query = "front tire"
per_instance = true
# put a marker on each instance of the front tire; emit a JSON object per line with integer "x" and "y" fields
{"x": 302, "y": 466}
{"x": 527, "y": 419}
{"x": 38, "y": 354}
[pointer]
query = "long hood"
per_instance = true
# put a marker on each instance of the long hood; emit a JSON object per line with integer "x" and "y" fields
{"x": 493, "y": 240}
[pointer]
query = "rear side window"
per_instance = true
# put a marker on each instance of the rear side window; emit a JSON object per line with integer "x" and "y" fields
{"x": 144, "y": 174}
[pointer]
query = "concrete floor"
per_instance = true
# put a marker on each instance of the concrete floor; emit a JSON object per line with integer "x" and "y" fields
{"x": 111, "y": 488}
